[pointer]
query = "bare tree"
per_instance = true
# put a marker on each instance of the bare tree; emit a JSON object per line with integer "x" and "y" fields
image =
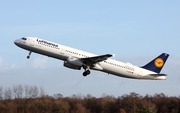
{"x": 88, "y": 96}
{"x": 31, "y": 91}
{"x": 42, "y": 92}
{"x": 8, "y": 93}
{"x": 15, "y": 90}
{"x": 58, "y": 96}
{"x": 34, "y": 92}
{"x": 26, "y": 88}
{"x": 18, "y": 91}
{"x": 1, "y": 93}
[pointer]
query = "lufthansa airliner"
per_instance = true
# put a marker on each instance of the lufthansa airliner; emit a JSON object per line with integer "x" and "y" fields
{"x": 78, "y": 59}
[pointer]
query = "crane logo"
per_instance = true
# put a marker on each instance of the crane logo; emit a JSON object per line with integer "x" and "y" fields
{"x": 159, "y": 62}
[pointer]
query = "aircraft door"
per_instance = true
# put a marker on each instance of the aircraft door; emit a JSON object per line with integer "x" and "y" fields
{"x": 31, "y": 42}
{"x": 139, "y": 73}
{"x": 62, "y": 50}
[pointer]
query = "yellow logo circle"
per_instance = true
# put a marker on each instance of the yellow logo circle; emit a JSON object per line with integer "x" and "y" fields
{"x": 159, "y": 62}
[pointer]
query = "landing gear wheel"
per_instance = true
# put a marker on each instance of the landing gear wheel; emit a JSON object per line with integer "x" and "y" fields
{"x": 86, "y": 73}
{"x": 29, "y": 55}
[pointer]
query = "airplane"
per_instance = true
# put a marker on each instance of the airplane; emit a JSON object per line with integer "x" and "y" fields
{"x": 78, "y": 59}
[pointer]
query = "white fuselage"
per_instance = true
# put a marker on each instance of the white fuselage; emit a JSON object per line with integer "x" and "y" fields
{"x": 62, "y": 52}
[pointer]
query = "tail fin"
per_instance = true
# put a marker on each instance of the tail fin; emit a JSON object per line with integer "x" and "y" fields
{"x": 157, "y": 64}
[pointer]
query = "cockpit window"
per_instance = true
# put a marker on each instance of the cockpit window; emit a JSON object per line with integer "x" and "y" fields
{"x": 24, "y": 39}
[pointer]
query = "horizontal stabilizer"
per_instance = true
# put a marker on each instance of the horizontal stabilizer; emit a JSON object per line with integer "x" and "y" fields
{"x": 158, "y": 75}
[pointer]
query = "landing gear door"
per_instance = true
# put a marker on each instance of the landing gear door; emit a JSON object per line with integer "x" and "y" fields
{"x": 31, "y": 42}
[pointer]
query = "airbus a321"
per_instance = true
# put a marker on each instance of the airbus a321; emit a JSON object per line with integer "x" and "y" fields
{"x": 77, "y": 59}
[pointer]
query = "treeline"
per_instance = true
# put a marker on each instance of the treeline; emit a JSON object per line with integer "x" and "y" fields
{"x": 31, "y": 99}
{"x": 19, "y": 91}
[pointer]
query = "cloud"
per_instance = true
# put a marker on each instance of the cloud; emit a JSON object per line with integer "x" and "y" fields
{"x": 4, "y": 66}
{"x": 40, "y": 62}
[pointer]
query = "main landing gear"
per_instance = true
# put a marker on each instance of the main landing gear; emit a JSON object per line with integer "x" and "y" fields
{"x": 87, "y": 71}
{"x": 29, "y": 55}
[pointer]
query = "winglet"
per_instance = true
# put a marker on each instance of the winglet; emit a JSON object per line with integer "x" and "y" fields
{"x": 113, "y": 55}
{"x": 157, "y": 64}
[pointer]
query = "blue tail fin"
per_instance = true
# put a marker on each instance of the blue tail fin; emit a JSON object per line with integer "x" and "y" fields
{"x": 157, "y": 64}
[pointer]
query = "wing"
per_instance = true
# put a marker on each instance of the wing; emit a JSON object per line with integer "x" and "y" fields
{"x": 93, "y": 60}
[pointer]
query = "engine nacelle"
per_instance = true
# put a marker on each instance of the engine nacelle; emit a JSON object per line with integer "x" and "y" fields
{"x": 73, "y": 63}
{"x": 66, "y": 64}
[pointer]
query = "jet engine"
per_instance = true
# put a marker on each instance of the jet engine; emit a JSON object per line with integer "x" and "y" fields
{"x": 73, "y": 63}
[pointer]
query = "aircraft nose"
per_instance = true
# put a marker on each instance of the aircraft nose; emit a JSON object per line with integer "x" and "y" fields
{"x": 16, "y": 42}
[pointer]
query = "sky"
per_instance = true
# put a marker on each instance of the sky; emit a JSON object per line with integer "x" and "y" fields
{"x": 136, "y": 31}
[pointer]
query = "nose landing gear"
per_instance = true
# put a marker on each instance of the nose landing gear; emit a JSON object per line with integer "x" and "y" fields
{"x": 29, "y": 55}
